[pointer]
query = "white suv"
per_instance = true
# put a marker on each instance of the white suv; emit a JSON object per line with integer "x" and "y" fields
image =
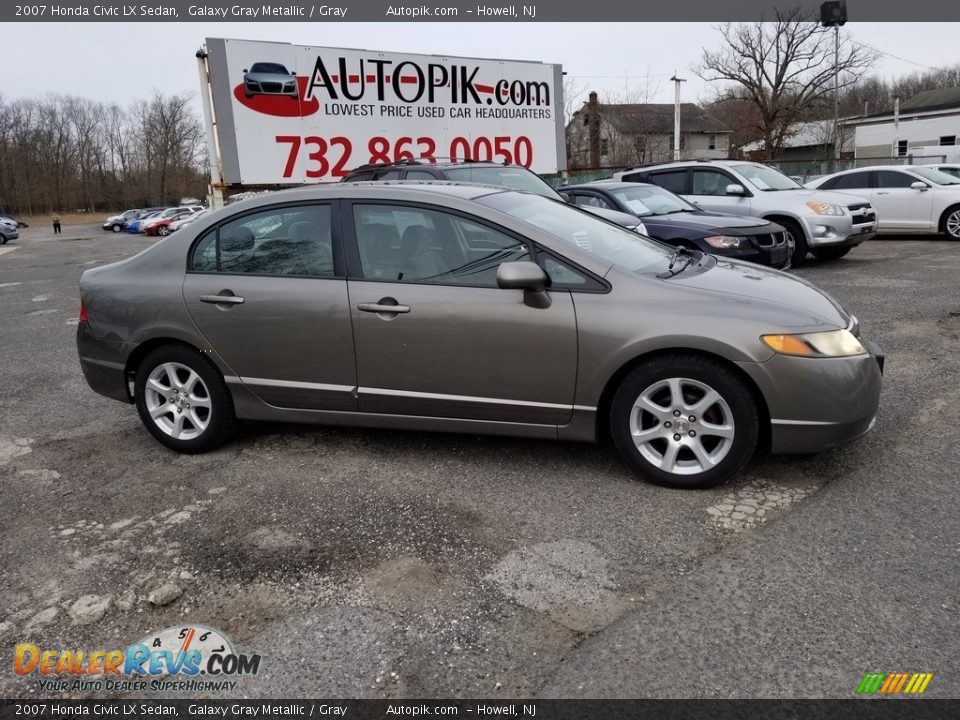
{"x": 827, "y": 224}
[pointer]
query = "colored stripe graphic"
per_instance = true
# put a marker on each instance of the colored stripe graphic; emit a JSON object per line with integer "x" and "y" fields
{"x": 894, "y": 683}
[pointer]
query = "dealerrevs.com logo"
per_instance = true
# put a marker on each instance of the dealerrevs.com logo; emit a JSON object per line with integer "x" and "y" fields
{"x": 189, "y": 659}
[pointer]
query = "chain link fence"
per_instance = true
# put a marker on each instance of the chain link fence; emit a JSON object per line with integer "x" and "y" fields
{"x": 575, "y": 177}
{"x": 804, "y": 171}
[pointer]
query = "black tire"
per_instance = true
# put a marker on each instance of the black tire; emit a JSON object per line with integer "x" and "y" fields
{"x": 800, "y": 247}
{"x": 692, "y": 369}
{"x": 950, "y": 229}
{"x": 4, "y": 239}
{"x": 830, "y": 253}
{"x": 116, "y": 228}
{"x": 220, "y": 419}
{"x": 163, "y": 231}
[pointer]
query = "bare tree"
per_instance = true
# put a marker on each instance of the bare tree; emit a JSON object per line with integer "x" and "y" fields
{"x": 785, "y": 68}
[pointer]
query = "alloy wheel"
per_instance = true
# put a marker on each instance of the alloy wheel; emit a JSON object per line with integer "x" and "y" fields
{"x": 682, "y": 426}
{"x": 953, "y": 224}
{"x": 178, "y": 401}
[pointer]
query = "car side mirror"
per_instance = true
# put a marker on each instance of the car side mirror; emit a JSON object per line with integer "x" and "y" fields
{"x": 245, "y": 71}
{"x": 736, "y": 189}
{"x": 566, "y": 196}
{"x": 920, "y": 186}
{"x": 527, "y": 276}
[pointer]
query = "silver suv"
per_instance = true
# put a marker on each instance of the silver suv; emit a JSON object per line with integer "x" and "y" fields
{"x": 827, "y": 224}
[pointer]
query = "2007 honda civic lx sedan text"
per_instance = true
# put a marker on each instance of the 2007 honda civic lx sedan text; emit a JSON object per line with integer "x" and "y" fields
{"x": 476, "y": 309}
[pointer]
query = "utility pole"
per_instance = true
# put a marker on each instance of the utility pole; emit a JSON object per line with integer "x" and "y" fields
{"x": 676, "y": 117}
{"x": 833, "y": 13}
{"x": 896, "y": 126}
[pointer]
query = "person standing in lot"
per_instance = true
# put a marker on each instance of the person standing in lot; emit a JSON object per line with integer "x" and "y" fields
{"x": 56, "y": 224}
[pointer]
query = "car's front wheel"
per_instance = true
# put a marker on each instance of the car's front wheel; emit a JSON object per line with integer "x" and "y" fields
{"x": 116, "y": 228}
{"x": 163, "y": 230}
{"x": 800, "y": 247}
{"x": 684, "y": 421}
{"x": 950, "y": 224}
{"x": 182, "y": 399}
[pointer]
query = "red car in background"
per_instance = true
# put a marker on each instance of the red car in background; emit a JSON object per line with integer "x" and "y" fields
{"x": 162, "y": 227}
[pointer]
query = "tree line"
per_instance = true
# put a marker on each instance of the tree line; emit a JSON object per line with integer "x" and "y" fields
{"x": 64, "y": 153}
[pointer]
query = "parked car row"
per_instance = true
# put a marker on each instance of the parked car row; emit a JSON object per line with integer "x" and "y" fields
{"x": 152, "y": 221}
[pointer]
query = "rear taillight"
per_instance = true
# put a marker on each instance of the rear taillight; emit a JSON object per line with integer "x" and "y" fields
{"x": 83, "y": 312}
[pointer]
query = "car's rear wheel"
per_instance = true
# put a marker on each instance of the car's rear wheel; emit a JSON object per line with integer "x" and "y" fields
{"x": 800, "y": 247}
{"x": 684, "y": 421}
{"x": 182, "y": 399}
{"x": 950, "y": 223}
{"x": 830, "y": 253}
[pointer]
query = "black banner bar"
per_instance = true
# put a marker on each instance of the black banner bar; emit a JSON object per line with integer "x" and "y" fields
{"x": 461, "y": 11}
{"x": 857, "y": 709}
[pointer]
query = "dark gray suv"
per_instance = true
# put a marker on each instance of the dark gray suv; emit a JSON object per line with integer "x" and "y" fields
{"x": 473, "y": 309}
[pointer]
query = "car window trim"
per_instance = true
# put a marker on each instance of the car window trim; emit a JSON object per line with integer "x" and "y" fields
{"x": 687, "y": 178}
{"x": 731, "y": 180}
{"x": 336, "y": 243}
{"x": 355, "y": 268}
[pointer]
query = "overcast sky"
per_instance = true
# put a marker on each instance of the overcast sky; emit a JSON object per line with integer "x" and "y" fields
{"x": 120, "y": 62}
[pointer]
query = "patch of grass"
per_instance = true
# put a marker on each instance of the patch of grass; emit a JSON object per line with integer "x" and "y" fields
{"x": 66, "y": 219}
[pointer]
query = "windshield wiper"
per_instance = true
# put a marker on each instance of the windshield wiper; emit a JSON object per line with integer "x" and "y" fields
{"x": 681, "y": 254}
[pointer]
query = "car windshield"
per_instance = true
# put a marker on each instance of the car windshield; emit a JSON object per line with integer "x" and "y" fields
{"x": 509, "y": 177}
{"x": 935, "y": 176}
{"x": 766, "y": 178}
{"x": 646, "y": 200}
{"x": 597, "y": 237}
{"x": 271, "y": 68}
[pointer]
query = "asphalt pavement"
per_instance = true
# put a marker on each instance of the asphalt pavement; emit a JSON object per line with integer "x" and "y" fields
{"x": 365, "y": 563}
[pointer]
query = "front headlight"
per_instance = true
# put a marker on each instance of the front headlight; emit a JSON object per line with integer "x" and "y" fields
{"x": 724, "y": 241}
{"x": 825, "y": 208}
{"x": 832, "y": 343}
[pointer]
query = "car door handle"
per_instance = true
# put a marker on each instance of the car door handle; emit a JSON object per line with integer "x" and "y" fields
{"x": 222, "y": 299}
{"x": 883, "y": 192}
{"x": 383, "y": 308}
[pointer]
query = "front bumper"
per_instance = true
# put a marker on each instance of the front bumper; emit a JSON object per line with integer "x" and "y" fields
{"x": 837, "y": 230}
{"x": 818, "y": 403}
{"x": 103, "y": 363}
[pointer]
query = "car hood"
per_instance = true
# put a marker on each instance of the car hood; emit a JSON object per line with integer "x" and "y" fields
{"x": 707, "y": 221}
{"x": 747, "y": 284}
{"x": 615, "y": 216}
{"x": 113, "y": 218}
{"x": 806, "y": 195}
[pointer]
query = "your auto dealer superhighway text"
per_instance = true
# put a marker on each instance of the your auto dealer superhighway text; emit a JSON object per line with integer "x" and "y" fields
{"x": 233, "y": 11}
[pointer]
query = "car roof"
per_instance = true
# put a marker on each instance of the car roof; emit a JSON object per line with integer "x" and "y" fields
{"x": 608, "y": 184}
{"x": 440, "y": 163}
{"x": 876, "y": 167}
{"x": 388, "y": 188}
{"x": 693, "y": 163}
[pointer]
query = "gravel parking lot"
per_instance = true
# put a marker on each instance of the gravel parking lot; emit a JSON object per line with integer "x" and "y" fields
{"x": 399, "y": 564}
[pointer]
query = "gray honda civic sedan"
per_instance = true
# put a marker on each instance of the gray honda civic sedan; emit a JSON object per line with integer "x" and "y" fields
{"x": 468, "y": 308}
